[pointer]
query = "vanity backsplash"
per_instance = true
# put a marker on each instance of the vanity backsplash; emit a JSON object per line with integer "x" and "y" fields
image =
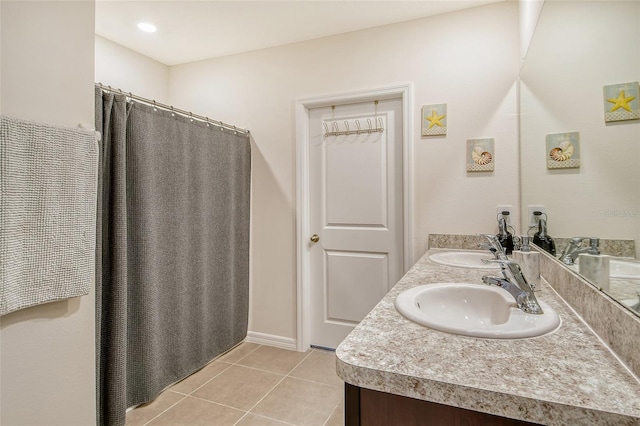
{"x": 452, "y": 241}
{"x": 618, "y": 248}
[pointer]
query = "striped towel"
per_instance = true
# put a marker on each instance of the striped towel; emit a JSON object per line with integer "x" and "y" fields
{"x": 48, "y": 189}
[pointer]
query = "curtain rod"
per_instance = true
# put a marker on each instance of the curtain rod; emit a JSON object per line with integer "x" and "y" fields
{"x": 182, "y": 112}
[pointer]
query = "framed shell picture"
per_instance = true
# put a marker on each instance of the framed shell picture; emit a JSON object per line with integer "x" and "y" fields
{"x": 480, "y": 155}
{"x": 622, "y": 102}
{"x": 563, "y": 150}
{"x": 434, "y": 120}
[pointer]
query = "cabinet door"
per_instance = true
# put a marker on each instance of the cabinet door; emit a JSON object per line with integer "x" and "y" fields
{"x": 364, "y": 407}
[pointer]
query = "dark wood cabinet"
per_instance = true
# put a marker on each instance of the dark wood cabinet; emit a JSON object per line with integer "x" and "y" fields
{"x": 365, "y": 407}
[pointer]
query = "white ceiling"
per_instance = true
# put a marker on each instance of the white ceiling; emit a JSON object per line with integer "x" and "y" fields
{"x": 194, "y": 30}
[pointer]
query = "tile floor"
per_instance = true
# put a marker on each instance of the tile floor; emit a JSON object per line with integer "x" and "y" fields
{"x": 249, "y": 386}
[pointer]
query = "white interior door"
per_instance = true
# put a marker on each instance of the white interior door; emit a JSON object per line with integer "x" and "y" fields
{"x": 356, "y": 211}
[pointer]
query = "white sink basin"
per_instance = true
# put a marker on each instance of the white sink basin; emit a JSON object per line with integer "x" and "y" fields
{"x": 474, "y": 310}
{"x": 624, "y": 269}
{"x": 464, "y": 259}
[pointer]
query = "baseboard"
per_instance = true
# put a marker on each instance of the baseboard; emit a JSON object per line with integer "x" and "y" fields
{"x": 271, "y": 340}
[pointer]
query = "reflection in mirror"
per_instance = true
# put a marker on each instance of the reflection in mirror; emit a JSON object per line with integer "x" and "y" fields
{"x": 583, "y": 170}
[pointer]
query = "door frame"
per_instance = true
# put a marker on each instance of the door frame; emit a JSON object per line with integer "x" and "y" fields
{"x": 303, "y": 262}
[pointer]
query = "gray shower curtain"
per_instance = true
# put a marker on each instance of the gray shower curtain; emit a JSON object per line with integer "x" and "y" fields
{"x": 172, "y": 278}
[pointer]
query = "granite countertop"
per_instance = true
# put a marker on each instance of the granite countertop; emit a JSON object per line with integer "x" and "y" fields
{"x": 567, "y": 377}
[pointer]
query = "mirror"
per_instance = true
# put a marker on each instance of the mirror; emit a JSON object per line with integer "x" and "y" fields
{"x": 578, "y": 48}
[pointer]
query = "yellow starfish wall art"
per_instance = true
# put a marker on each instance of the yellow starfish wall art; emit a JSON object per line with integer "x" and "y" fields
{"x": 622, "y": 102}
{"x": 434, "y": 120}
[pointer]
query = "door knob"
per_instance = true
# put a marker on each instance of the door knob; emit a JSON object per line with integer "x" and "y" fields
{"x": 315, "y": 238}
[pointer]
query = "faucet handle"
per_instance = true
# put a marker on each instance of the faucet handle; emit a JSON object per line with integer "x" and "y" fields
{"x": 486, "y": 246}
{"x": 578, "y": 240}
{"x": 495, "y": 246}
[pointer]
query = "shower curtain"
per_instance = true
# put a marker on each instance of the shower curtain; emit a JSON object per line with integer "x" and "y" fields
{"x": 172, "y": 277}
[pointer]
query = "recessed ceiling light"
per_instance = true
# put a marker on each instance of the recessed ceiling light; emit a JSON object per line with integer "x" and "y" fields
{"x": 147, "y": 27}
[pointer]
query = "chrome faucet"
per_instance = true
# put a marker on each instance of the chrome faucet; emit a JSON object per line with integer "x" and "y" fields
{"x": 512, "y": 280}
{"x": 494, "y": 247}
{"x": 574, "y": 248}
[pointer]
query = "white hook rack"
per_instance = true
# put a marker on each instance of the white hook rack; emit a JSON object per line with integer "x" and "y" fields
{"x": 335, "y": 128}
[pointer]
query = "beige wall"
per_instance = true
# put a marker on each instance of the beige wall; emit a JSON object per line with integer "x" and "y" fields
{"x": 124, "y": 69}
{"x": 529, "y": 13}
{"x": 467, "y": 59}
{"x": 47, "y": 355}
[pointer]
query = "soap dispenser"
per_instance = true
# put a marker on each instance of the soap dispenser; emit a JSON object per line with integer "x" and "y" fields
{"x": 541, "y": 238}
{"x": 528, "y": 260}
{"x": 504, "y": 236}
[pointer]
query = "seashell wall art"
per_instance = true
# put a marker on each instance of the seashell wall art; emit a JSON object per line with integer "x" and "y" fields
{"x": 480, "y": 155}
{"x": 563, "y": 150}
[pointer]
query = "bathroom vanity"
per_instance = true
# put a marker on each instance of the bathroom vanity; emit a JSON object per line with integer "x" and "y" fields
{"x": 397, "y": 372}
